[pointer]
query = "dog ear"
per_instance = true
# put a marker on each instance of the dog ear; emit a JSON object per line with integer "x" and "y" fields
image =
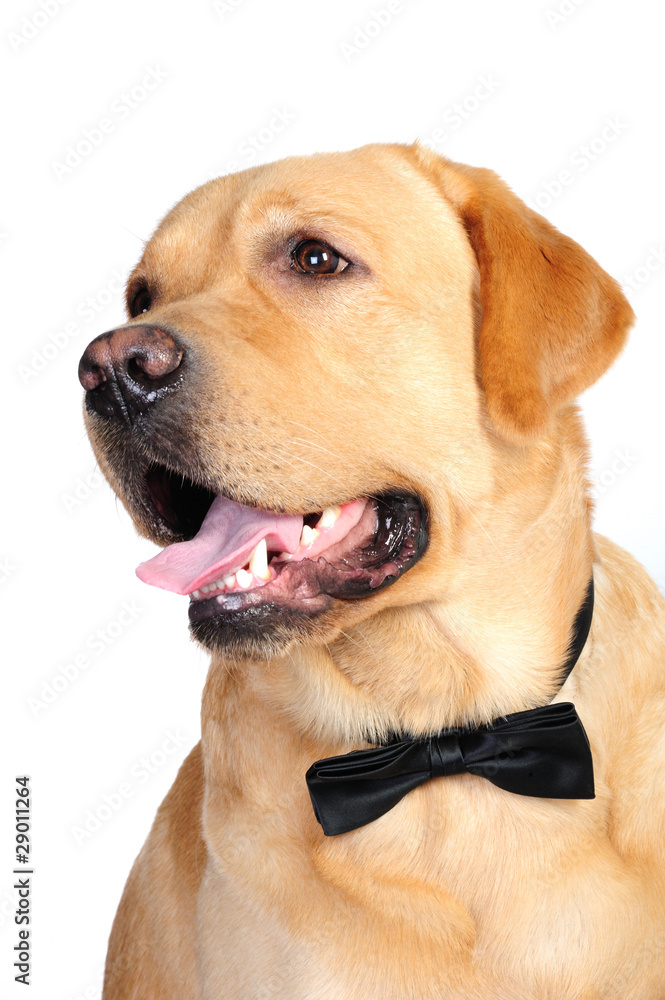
{"x": 552, "y": 320}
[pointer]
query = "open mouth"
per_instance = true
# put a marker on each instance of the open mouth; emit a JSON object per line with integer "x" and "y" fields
{"x": 236, "y": 559}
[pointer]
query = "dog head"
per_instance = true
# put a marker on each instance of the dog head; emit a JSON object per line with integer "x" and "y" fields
{"x": 328, "y": 360}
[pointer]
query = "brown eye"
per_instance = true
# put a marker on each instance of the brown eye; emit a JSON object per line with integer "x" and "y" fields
{"x": 140, "y": 302}
{"x": 314, "y": 257}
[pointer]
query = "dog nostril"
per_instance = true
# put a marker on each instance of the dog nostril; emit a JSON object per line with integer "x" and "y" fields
{"x": 126, "y": 371}
{"x": 90, "y": 377}
{"x": 134, "y": 370}
{"x": 154, "y": 363}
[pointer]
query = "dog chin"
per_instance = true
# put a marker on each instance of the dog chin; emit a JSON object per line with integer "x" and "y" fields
{"x": 255, "y": 633}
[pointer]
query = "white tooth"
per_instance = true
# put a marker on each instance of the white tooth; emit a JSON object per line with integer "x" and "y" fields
{"x": 284, "y": 555}
{"x": 230, "y": 581}
{"x": 243, "y": 579}
{"x": 219, "y": 584}
{"x": 197, "y": 593}
{"x": 258, "y": 562}
{"x": 329, "y": 517}
{"x": 206, "y": 589}
{"x": 308, "y": 535}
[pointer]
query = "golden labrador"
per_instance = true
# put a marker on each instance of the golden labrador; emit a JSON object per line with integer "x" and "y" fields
{"x": 344, "y": 402}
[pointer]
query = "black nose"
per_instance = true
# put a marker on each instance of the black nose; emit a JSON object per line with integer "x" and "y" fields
{"x": 126, "y": 371}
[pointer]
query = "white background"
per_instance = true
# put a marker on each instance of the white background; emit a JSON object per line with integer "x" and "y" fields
{"x": 550, "y": 88}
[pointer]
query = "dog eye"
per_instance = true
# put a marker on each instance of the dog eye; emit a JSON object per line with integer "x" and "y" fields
{"x": 140, "y": 301}
{"x": 315, "y": 257}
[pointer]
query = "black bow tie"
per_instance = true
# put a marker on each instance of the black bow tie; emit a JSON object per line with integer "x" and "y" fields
{"x": 543, "y": 752}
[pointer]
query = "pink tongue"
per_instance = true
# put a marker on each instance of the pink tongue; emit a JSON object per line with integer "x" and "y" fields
{"x": 223, "y": 544}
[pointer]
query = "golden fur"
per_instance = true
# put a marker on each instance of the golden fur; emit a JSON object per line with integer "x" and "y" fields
{"x": 448, "y": 367}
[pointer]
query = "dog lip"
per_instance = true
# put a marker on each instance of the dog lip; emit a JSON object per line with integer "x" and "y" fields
{"x": 307, "y": 587}
{"x": 174, "y": 501}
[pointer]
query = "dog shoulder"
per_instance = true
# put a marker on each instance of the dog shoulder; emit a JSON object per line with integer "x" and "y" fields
{"x": 630, "y": 619}
{"x": 627, "y": 683}
{"x": 159, "y": 901}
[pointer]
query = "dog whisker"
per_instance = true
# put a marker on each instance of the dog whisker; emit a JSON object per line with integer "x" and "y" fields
{"x": 284, "y": 459}
{"x": 364, "y": 637}
{"x": 310, "y": 429}
{"x": 312, "y": 444}
{"x": 505, "y": 561}
{"x": 131, "y": 233}
{"x": 305, "y": 462}
{"x": 317, "y": 467}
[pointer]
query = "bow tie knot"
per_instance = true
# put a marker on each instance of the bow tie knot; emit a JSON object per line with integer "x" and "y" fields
{"x": 446, "y": 755}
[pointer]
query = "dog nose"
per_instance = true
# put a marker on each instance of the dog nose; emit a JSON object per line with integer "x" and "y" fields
{"x": 126, "y": 371}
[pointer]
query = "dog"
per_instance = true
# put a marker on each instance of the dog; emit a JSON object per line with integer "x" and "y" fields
{"x": 344, "y": 405}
